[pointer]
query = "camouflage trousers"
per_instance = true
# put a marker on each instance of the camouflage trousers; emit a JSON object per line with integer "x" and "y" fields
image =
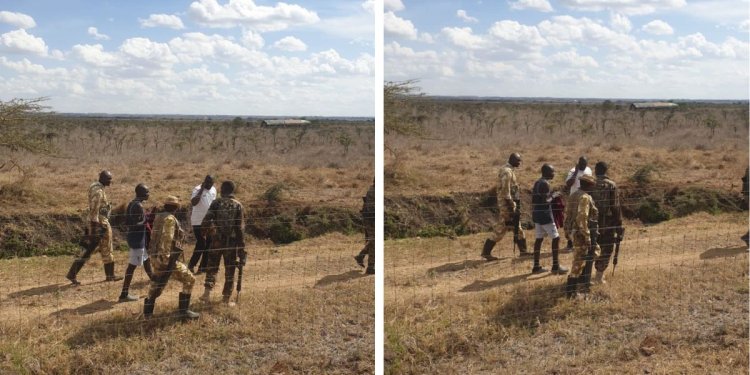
{"x": 104, "y": 247}
{"x": 581, "y": 244}
{"x": 607, "y": 243}
{"x": 180, "y": 273}
{"x": 505, "y": 225}
{"x": 230, "y": 256}
{"x": 369, "y": 248}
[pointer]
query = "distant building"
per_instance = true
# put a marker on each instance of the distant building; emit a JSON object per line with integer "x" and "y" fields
{"x": 652, "y": 105}
{"x": 283, "y": 123}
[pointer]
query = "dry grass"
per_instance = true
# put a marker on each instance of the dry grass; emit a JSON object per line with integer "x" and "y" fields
{"x": 305, "y": 308}
{"x": 677, "y": 304}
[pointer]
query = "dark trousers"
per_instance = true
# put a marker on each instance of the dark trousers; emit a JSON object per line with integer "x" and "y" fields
{"x": 212, "y": 268}
{"x": 606, "y": 242}
{"x": 199, "y": 254}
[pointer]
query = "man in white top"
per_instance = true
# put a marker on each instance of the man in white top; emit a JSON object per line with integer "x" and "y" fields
{"x": 573, "y": 183}
{"x": 201, "y": 199}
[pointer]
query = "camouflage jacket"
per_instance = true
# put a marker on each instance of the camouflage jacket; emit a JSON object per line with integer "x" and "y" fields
{"x": 578, "y": 211}
{"x": 166, "y": 234}
{"x": 507, "y": 187}
{"x": 607, "y": 200}
{"x": 225, "y": 216}
{"x": 99, "y": 206}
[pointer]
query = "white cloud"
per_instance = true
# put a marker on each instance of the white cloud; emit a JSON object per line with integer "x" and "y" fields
{"x": 19, "y": 20}
{"x": 203, "y": 76}
{"x": 19, "y": 41}
{"x": 396, "y": 26}
{"x": 147, "y": 53}
{"x": 539, "y": 5}
{"x": 464, "y": 16}
{"x": 516, "y": 36}
{"x": 620, "y": 23}
{"x": 393, "y": 5}
{"x": 463, "y": 37}
{"x": 246, "y": 13}
{"x": 95, "y": 55}
{"x": 162, "y": 20}
{"x": 290, "y": 44}
{"x": 194, "y": 47}
{"x": 629, "y": 7}
{"x": 426, "y": 38}
{"x": 252, "y": 39}
{"x": 566, "y": 30}
{"x": 573, "y": 59}
{"x": 369, "y": 6}
{"x": 744, "y": 26}
{"x": 95, "y": 33}
{"x": 658, "y": 27}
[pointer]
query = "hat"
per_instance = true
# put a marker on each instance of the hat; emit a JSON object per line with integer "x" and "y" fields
{"x": 172, "y": 200}
{"x": 588, "y": 179}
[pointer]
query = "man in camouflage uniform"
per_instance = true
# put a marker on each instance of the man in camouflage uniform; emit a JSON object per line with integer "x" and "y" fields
{"x": 368, "y": 218}
{"x": 607, "y": 200}
{"x": 225, "y": 219}
{"x": 164, "y": 249}
{"x": 98, "y": 236}
{"x": 508, "y": 201}
{"x": 579, "y": 211}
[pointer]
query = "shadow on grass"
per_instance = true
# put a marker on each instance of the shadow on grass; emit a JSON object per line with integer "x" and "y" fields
{"x": 723, "y": 252}
{"x": 89, "y": 308}
{"x": 124, "y": 326}
{"x": 529, "y": 258}
{"x": 530, "y": 306}
{"x": 340, "y": 278}
{"x": 480, "y": 285}
{"x": 40, "y": 290}
{"x": 460, "y": 266}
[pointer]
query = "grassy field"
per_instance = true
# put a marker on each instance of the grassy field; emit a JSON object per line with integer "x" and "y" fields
{"x": 678, "y": 302}
{"x": 306, "y": 306}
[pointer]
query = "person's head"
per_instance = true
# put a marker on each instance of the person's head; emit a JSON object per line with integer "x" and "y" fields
{"x": 548, "y": 172}
{"x": 105, "y": 178}
{"x": 514, "y": 159}
{"x": 141, "y": 191}
{"x": 587, "y": 183}
{"x": 171, "y": 204}
{"x": 208, "y": 182}
{"x": 600, "y": 169}
{"x": 582, "y": 163}
{"x": 227, "y": 188}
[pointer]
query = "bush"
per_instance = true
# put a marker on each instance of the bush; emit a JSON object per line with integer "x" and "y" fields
{"x": 283, "y": 232}
{"x": 652, "y": 211}
{"x": 643, "y": 175}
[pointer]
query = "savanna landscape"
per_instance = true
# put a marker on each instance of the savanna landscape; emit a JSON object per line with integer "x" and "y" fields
{"x": 305, "y": 307}
{"x": 677, "y": 303}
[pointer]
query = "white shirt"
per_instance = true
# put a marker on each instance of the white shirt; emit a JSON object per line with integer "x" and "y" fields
{"x": 575, "y": 173}
{"x": 200, "y": 209}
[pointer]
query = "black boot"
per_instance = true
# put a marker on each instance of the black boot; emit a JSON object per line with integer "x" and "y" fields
{"x": 184, "y": 303}
{"x": 360, "y": 259}
{"x": 487, "y": 250}
{"x": 148, "y": 269}
{"x": 109, "y": 270}
{"x": 746, "y": 238}
{"x": 522, "y": 250}
{"x": 148, "y": 307}
{"x": 370, "y": 271}
{"x": 537, "y": 254}
{"x": 570, "y": 287}
{"x": 556, "y": 268}
{"x": 125, "y": 295}
{"x": 74, "y": 269}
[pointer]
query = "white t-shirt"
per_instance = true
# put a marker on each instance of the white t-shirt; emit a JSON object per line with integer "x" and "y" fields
{"x": 200, "y": 209}
{"x": 577, "y": 174}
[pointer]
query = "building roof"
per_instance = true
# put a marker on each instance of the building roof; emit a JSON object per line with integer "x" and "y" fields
{"x": 285, "y": 122}
{"x": 653, "y": 105}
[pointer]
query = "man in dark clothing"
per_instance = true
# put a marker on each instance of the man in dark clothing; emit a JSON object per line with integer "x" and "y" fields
{"x": 135, "y": 222}
{"x": 607, "y": 200}
{"x": 368, "y": 218}
{"x": 544, "y": 223}
{"x": 226, "y": 221}
{"x": 745, "y": 193}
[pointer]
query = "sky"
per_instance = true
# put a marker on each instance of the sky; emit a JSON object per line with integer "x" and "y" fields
{"x": 660, "y": 49}
{"x": 228, "y": 57}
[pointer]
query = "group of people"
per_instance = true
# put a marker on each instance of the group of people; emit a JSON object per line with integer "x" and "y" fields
{"x": 592, "y": 219}
{"x": 155, "y": 241}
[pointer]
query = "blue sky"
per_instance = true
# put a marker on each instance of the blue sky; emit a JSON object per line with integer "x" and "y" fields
{"x": 235, "y": 57}
{"x": 571, "y": 48}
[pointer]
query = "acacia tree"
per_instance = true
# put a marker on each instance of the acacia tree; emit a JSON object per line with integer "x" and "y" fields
{"x": 18, "y": 133}
{"x": 398, "y": 100}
